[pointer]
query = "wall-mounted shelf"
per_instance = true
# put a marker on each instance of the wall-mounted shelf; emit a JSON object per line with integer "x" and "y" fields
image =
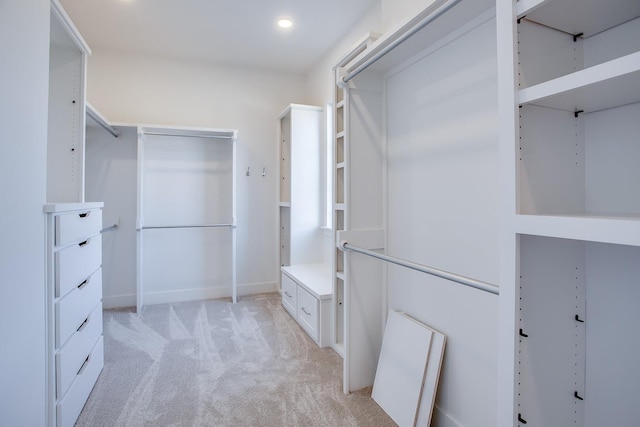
{"x": 604, "y": 229}
{"x": 577, "y": 16}
{"x": 602, "y": 86}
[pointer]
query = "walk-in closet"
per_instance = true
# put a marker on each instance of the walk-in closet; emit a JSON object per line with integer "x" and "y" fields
{"x": 373, "y": 212}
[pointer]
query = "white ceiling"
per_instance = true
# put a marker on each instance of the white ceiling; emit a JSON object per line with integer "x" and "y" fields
{"x": 233, "y": 32}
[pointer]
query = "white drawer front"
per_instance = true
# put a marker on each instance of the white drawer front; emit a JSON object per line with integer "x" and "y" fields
{"x": 308, "y": 312}
{"x": 70, "y": 406}
{"x": 76, "y": 262}
{"x": 73, "y": 309}
{"x": 289, "y": 294}
{"x": 71, "y": 357}
{"x": 76, "y": 226}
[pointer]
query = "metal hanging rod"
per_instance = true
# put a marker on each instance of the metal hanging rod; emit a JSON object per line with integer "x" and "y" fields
{"x": 110, "y": 228}
{"x": 434, "y": 12}
{"x": 157, "y": 227}
{"x": 188, "y": 135}
{"x": 477, "y": 284}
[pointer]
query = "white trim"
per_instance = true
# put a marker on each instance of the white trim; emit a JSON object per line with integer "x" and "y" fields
{"x": 70, "y": 28}
{"x": 152, "y": 298}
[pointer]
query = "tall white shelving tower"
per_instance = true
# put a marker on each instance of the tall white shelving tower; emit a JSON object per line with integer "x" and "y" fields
{"x": 570, "y": 103}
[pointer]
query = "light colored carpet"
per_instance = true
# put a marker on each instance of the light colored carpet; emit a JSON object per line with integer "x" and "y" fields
{"x": 212, "y": 363}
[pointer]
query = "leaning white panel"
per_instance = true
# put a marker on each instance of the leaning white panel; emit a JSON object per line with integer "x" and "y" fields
{"x": 405, "y": 381}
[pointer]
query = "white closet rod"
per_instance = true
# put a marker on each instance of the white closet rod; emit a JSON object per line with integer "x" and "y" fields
{"x": 156, "y": 227}
{"x": 434, "y": 12}
{"x": 189, "y": 136}
{"x": 100, "y": 121}
{"x": 477, "y": 284}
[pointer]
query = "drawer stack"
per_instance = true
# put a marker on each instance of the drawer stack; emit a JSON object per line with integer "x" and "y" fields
{"x": 307, "y": 296}
{"x": 74, "y": 289}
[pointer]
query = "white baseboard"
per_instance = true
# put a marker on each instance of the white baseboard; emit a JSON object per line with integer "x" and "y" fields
{"x": 442, "y": 419}
{"x": 151, "y": 298}
{"x": 119, "y": 301}
{"x": 257, "y": 288}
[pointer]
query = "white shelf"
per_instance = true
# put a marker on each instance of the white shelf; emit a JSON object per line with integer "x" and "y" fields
{"x": 623, "y": 230}
{"x": 340, "y": 165}
{"x": 340, "y": 105}
{"x": 339, "y": 206}
{"x": 68, "y": 207}
{"x": 340, "y": 274}
{"x": 602, "y": 86}
{"x": 579, "y": 16}
{"x": 340, "y": 134}
{"x": 284, "y": 204}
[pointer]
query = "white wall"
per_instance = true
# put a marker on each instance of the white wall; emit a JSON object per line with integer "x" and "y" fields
{"x": 24, "y": 49}
{"x": 129, "y": 88}
{"x": 111, "y": 178}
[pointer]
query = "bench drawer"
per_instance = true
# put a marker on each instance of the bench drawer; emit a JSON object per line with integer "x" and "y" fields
{"x": 308, "y": 312}
{"x": 289, "y": 295}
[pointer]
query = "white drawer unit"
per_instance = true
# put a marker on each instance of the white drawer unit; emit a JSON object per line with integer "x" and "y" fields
{"x": 307, "y": 296}
{"x": 74, "y": 307}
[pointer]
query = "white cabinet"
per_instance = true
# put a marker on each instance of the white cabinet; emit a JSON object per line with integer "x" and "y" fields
{"x": 570, "y": 103}
{"x": 299, "y": 201}
{"x": 74, "y": 307}
{"x": 307, "y": 296}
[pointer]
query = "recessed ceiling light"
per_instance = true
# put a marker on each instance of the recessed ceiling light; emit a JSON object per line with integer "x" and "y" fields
{"x": 285, "y": 23}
